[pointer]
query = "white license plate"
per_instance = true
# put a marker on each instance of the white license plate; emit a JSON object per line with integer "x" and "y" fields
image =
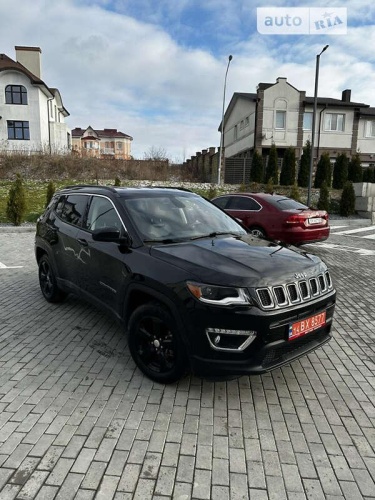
{"x": 315, "y": 220}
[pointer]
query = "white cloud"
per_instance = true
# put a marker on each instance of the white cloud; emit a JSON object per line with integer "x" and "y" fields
{"x": 127, "y": 68}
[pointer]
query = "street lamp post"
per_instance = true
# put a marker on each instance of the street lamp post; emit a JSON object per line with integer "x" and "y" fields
{"x": 222, "y": 125}
{"x": 313, "y": 125}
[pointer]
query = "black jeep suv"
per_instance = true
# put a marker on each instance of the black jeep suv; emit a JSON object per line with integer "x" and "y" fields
{"x": 192, "y": 287}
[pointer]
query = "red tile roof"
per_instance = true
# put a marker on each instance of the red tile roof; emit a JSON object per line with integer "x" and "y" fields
{"x": 112, "y": 133}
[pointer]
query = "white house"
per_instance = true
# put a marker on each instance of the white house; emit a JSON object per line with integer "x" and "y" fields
{"x": 281, "y": 114}
{"x": 32, "y": 115}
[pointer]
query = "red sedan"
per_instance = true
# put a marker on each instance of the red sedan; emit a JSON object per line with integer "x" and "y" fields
{"x": 276, "y": 217}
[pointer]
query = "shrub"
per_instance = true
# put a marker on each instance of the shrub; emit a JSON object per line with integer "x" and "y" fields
{"x": 272, "y": 170}
{"x": 51, "y": 188}
{"x": 16, "y": 205}
{"x": 323, "y": 202}
{"x": 212, "y": 192}
{"x": 294, "y": 193}
{"x": 355, "y": 169}
{"x": 304, "y": 166}
{"x": 117, "y": 182}
{"x": 368, "y": 174}
{"x": 256, "y": 171}
{"x": 323, "y": 171}
{"x": 269, "y": 186}
{"x": 288, "y": 170}
{"x": 340, "y": 171}
{"x": 347, "y": 201}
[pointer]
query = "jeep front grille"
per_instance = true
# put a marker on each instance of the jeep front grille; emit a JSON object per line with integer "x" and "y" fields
{"x": 295, "y": 292}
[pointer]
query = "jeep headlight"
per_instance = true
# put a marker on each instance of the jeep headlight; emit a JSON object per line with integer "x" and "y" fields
{"x": 219, "y": 295}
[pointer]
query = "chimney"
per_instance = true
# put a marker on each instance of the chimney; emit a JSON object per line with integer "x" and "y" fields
{"x": 346, "y": 95}
{"x": 30, "y": 58}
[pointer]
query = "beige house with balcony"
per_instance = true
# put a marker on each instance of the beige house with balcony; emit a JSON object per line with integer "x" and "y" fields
{"x": 281, "y": 114}
{"x": 108, "y": 143}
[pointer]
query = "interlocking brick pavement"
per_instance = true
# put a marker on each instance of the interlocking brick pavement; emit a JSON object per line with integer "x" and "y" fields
{"x": 79, "y": 421}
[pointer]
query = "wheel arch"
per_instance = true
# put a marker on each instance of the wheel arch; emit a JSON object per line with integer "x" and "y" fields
{"x": 139, "y": 294}
{"x": 39, "y": 252}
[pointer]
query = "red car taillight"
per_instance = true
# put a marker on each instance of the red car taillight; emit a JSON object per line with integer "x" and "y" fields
{"x": 296, "y": 220}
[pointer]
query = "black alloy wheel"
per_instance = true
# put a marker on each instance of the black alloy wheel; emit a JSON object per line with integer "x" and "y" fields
{"x": 47, "y": 281}
{"x": 155, "y": 343}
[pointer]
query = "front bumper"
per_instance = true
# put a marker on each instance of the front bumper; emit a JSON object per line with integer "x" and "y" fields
{"x": 271, "y": 347}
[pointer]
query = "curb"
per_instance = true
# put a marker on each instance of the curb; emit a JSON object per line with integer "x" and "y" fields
{"x": 17, "y": 229}
{"x": 350, "y": 222}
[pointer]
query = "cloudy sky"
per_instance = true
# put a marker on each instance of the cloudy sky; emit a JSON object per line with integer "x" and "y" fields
{"x": 155, "y": 69}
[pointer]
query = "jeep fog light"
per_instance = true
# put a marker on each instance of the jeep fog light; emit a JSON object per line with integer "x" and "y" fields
{"x": 222, "y": 339}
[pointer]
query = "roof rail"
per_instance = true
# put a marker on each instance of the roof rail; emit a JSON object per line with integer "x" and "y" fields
{"x": 91, "y": 186}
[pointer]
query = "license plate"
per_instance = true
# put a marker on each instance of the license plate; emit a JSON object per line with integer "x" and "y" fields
{"x": 315, "y": 220}
{"x": 306, "y": 325}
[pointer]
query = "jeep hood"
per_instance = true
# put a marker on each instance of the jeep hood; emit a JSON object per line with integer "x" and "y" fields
{"x": 239, "y": 261}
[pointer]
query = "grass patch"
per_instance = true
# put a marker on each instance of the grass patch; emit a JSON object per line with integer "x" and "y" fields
{"x": 36, "y": 195}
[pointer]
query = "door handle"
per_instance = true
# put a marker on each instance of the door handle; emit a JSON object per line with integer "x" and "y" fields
{"x": 82, "y": 242}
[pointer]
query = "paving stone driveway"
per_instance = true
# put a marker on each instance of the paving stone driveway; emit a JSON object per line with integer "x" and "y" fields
{"x": 79, "y": 421}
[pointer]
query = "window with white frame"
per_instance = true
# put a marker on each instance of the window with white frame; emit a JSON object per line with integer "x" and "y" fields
{"x": 370, "y": 128}
{"x": 280, "y": 119}
{"x": 334, "y": 122}
{"x": 307, "y": 120}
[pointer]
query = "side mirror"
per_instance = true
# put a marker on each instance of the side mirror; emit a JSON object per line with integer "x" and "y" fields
{"x": 111, "y": 234}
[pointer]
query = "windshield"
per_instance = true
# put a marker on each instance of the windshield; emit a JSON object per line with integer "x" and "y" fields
{"x": 174, "y": 217}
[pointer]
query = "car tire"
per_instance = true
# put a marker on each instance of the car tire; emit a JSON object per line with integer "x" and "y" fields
{"x": 155, "y": 343}
{"x": 47, "y": 281}
{"x": 258, "y": 231}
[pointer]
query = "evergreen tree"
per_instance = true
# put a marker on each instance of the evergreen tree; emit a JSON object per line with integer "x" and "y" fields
{"x": 16, "y": 205}
{"x": 340, "y": 171}
{"x": 272, "y": 170}
{"x": 323, "y": 171}
{"x": 347, "y": 201}
{"x": 355, "y": 173}
{"x": 304, "y": 166}
{"x": 50, "y": 192}
{"x": 288, "y": 170}
{"x": 323, "y": 202}
{"x": 256, "y": 171}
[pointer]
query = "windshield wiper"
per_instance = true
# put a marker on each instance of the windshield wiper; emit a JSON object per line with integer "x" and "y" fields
{"x": 215, "y": 233}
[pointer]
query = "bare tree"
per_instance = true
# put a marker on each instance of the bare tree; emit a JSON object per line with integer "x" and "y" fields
{"x": 155, "y": 153}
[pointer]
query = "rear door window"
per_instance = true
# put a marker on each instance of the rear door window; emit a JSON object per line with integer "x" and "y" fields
{"x": 243, "y": 203}
{"x": 72, "y": 209}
